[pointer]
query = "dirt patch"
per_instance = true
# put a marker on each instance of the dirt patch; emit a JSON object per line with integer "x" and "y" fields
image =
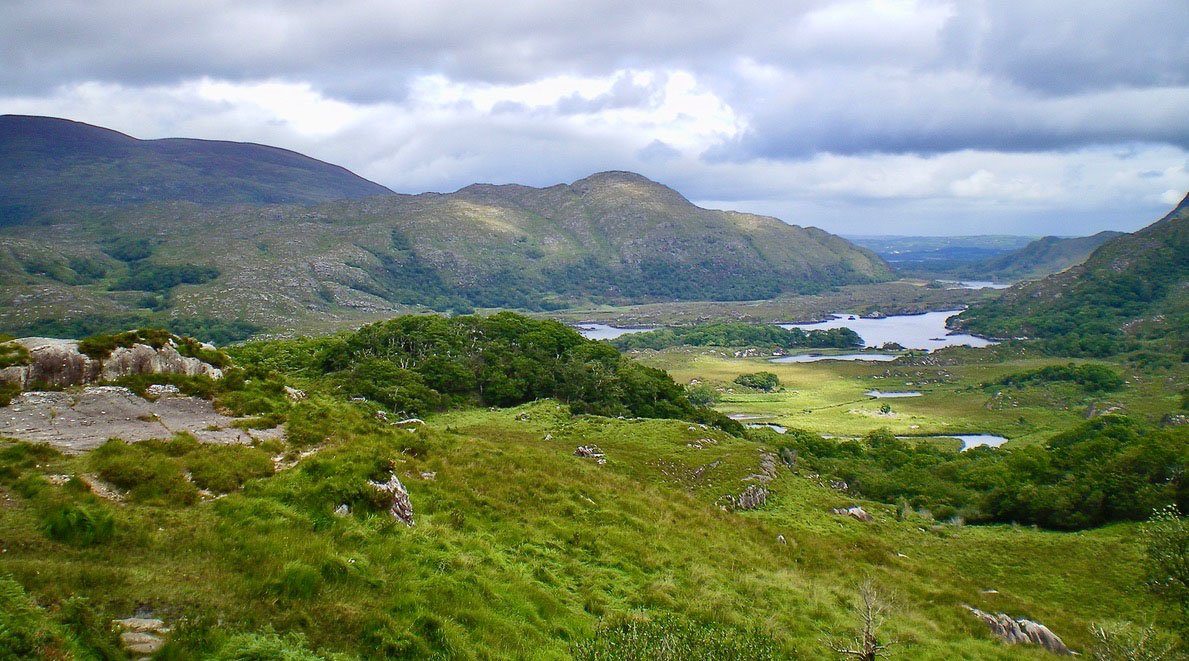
{"x": 77, "y": 421}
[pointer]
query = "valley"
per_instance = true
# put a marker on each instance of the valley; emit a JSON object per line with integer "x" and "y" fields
{"x": 292, "y": 414}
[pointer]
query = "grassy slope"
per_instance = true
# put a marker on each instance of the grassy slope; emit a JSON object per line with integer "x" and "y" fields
{"x": 52, "y": 163}
{"x": 1038, "y": 259}
{"x": 299, "y": 267}
{"x": 521, "y": 548}
{"x": 1140, "y": 276}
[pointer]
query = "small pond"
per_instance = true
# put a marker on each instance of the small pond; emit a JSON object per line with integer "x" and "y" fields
{"x": 879, "y": 394}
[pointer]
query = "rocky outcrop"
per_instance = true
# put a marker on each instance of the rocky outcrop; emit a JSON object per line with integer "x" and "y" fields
{"x": 58, "y": 363}
{"x": 751, "y": 498}
{"x": 400, "y": 507}
{"x": 855, "y": 511}
{"x": 1021, "y": 631}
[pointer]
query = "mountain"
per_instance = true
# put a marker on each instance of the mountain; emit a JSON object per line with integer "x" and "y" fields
{"x": 50, "y": 163}
{"x": 110, "y": 227}
{"x": 1133, "y": 288}
{"x": 1037, "y": 259}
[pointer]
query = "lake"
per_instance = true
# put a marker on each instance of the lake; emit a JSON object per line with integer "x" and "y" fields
{"x": 605, "y": 332}
{"x": 884, "y": 395}
{"x": 912, "y": 331}
{"x": 814, "y": 357}
{"x": 974, "y": 284}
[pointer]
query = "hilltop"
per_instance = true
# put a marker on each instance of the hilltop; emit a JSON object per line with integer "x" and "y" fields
{"x": 48, "y": 163}
{"x": 1134, "y": 287}
{"x": 105, "y": 232}
{"x": 1042, "y": 257}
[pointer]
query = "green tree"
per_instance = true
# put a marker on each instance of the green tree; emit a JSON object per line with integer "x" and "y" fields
{"x": 1167, "y": 538}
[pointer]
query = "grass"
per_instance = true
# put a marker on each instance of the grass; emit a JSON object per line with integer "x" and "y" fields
{"x": 829, "y": 397}
{"x": 521, "y": 549}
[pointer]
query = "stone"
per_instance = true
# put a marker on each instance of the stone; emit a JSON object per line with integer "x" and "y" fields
{"x": 855, "y": 511}
{"x": 294, "y": 394}
{"x": 141, "y": 643}
{"x": 754, "y": 496}
{"x": 400, "y": 507}
{"x": 342, "y": 510}
{"x": 58, "y": 362}
{"x": 1021, "y": 631}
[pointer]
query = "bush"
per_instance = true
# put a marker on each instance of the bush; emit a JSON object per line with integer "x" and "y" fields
{"x": 667, "y": 638}
{"x": 78, "y": 525}
{"x": 298, "y": 581}
{"x": 766, "y": 381}
{"x": 12, "y": 354}
{"x": 266, "y": 646}
{"x": 148, "y": 477}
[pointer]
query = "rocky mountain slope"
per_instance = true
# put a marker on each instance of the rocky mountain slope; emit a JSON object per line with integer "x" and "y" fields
{"x": 197, "y": 238}
{"x": 1133, "y": 288}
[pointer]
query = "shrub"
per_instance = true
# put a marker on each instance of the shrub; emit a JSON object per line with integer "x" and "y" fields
{"x": 78, "y": 525}
{"x": 298, "y": 581}
{"x": 26, "y": 632}
{"x": 148, "y": 477}
{"x": 12, "y": 354}
{"x": 667, "y": 638}
{"x": 266, "y": 646}
{"x": 766, "y": 381}
{"x": 224, "y": 469}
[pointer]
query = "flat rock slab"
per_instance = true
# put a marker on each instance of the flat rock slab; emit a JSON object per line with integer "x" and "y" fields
{"x": 82, "y": 420}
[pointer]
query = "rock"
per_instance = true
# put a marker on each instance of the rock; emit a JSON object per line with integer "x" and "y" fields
{"x": 59, "y": 363}
{"x": 428, "y": 475}
{"x": 410, "y": 422}
{"x": 342, "y": 510}
{"x": 400, "y": 507}
{"x": 141, "y": 643}
{"x": 1021, "y": 631}
{"x": 751, "y": 498}
{"x": 590, "y": 452}
{"x": 855, "y": 511}
{"x": 294, "y": 394}
{"x": 158, "y": 389}
{"x": 781, "y": 539}
{"x": 141, "y": 635}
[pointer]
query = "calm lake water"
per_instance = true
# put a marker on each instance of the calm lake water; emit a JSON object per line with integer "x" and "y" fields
{"x": 814, "y": 357}
{"x": 974, "y": 284}
{"x": 968, "y": 440}
{"x": 912, "y": 331}
{"x": 605, "y": 332}
{"x": 879, "y": 394}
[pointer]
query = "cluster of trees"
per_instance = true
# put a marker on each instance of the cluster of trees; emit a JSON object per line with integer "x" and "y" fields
{"x": 216, "y": 331}
{"x": 766, "y": 381}
{"x": 1091, "y": 377}
{"x": 418, "y": 364}
{"x": 737, "y": 334}
{"x": 1108, "y": 469}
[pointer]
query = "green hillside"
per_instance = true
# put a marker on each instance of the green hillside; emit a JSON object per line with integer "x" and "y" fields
{"x": 522, "y": 543}
{"x": 1037, "y": 259}
{"x": 48, "y": 163}
{"x": 1133, "y": 289}
{"x": 614, "y": 237}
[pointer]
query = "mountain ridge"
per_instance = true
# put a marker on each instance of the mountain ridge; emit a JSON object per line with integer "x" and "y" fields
{"x": 221, "y": 249}
{"x": 1132, "y": 288}
{"x": 51, "y": 163}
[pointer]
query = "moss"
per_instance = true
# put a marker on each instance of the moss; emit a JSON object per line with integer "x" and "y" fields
{"x": 12, "y": 354}
{"x": 101, "y": 346}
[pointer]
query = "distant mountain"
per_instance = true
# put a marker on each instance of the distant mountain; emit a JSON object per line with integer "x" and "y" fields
{"x": 1133, "y": 288}
{"x": 104, "y": 226}
{"x": 48, "y": 163}
{"x": 1037, "y": 259}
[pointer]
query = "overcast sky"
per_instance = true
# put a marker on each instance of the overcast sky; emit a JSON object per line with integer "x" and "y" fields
{"x": 932, "y": 117}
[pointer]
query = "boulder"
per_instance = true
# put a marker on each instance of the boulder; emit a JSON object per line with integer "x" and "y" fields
{"x": 59, "y": 363}
{"x": 400, "y": 507}
{"x": 855, "y": 511}
{"x": 1021, "y": 631}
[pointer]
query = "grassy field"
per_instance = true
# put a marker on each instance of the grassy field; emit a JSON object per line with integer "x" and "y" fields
{"x": 521, "y": 548}
{"x": 829, "y": 397}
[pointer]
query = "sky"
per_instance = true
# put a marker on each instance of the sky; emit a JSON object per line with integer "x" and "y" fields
{"x": 880, "y": 117}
